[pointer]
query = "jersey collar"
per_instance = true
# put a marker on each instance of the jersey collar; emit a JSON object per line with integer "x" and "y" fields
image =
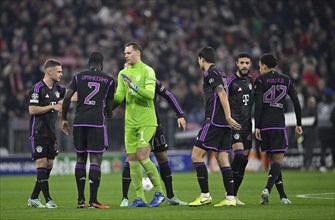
{"x": 140, "y": 63}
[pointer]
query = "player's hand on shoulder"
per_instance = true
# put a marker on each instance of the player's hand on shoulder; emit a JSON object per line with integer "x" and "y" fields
{"x": 234, "y": 125}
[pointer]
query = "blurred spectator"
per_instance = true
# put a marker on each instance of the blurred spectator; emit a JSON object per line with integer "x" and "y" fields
{"x": 325, "y": 126}
{"x": 16, "y": 105}
{"x": 309, "y": 137}
{"x": 309, "y": 73}
{"x": 3, "y": 117}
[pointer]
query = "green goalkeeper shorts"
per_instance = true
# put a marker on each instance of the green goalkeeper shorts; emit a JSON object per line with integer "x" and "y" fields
{"x": 138, "y": 138}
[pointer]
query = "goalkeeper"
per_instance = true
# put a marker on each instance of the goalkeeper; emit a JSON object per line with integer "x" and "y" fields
{"x": 136, "y": 85}
{"x": 159, "y": 149}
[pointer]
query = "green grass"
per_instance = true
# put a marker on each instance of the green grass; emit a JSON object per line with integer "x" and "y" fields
{"x": 14, "y": 192}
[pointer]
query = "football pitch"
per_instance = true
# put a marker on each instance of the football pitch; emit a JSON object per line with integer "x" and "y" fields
{"x": 312, "y": 195}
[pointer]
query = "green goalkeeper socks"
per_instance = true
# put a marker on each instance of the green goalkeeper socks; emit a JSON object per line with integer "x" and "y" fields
{"x": 136, "y": 177}
{"x": 152, "y": 173}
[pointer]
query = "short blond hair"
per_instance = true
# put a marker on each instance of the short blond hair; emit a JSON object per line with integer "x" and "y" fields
{"x": 51, "y": 63}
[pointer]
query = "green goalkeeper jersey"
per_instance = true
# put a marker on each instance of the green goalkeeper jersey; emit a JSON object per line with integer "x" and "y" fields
{"x": 140, "y": 109}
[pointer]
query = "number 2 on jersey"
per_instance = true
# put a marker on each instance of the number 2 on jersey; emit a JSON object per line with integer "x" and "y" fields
{"x": 96, "y": 87}
{"x": 270, "y": 95}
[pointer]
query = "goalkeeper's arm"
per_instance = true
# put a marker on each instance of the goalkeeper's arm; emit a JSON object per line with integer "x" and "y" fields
{"x": 148, "y": 92}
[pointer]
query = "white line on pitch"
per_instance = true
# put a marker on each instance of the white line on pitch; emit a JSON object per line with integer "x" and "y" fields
{"x": 316, "y": 196}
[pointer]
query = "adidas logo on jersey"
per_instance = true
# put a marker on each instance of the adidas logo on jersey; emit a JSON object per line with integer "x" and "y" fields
{"x": 47, "y": 96}
{"x": 239, "y": 89}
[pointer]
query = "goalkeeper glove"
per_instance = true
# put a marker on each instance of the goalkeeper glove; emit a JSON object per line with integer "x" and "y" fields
{"x": 130, "y": 83}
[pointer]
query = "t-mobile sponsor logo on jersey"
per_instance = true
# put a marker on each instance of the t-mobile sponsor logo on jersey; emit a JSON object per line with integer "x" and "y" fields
{"x": 53, "y": 103}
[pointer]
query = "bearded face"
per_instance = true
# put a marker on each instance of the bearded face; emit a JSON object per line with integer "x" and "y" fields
{"x": 243, "y": 64}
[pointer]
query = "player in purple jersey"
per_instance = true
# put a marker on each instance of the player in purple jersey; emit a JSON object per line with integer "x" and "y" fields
{"x": 215, "y": 134}
{"x": 43, "y": 107}
{"x": 95, "y": 92}
{"x": 160, "y": 150}
{"x": 240, "y": 93}
{"x": 271, "y": 89}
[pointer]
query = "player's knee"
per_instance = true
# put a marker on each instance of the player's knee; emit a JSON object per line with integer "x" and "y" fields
{"x": 277, "y": 158}
{"x": 82, "y": 157}
{"x": 196, "y": 158}
{"x": 42, "y": 162}
{"x": 141, "y": 157}
{"x": 50, "y": 164}
{"x": 238, "y": 146}
{"x": 162, "y": 160}
{"x": 131, "y": 157}
{"x": 96, "y": 159}
{"x": 161, "y": 157}
{"x": 198, "y": 154}
{"x": 143, "y": 154}
{"x": 246, "y": 153}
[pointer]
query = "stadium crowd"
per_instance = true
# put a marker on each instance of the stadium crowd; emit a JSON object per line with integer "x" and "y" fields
{"x": 300, "y": 33}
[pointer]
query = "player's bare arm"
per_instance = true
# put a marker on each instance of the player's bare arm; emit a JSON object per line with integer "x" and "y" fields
{"x": 65, "y": 109}
{"x": 258, "y": 134}
{"x": 298, "y": 130}
{"x": 74, "y": 98}
{"x": 109, "y": 108}
{"x": 167, "y": 95}
{"x": 38, "y": 110}
{"x": 182, "y": 123}
{"x": 148, "y": 92}
{"x": 225, "y": 105}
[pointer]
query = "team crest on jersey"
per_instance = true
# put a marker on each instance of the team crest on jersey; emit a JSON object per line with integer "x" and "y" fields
{"x": 138, "y": 78}
{"x": 236, "y": 136}
{"x": 39, "y": 149}
{"x": 57, "y": 94}
{"x": 34, "y": 96}
{"x": 250, "y": 86}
